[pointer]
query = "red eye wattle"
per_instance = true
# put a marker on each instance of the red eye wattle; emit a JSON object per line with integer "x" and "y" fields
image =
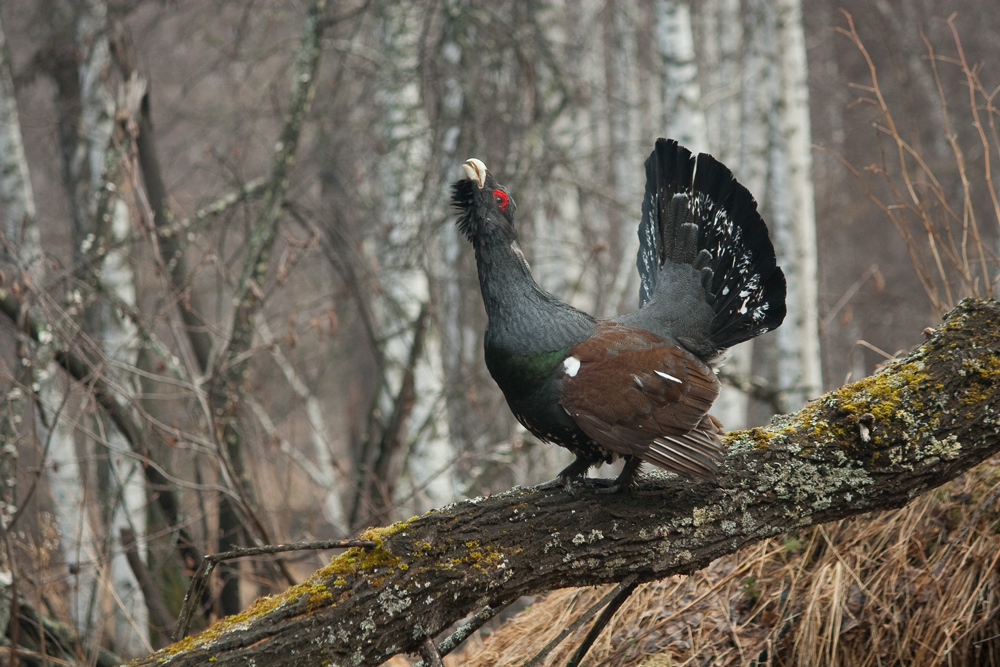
{"x": 500, "y": 197}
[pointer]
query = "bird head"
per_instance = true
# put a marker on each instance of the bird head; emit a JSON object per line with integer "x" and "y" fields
{"x": 485, "y": 206}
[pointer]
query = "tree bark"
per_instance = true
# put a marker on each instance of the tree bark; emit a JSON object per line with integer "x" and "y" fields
{"x": 793, "y": 211}
{"x": 683, "y": 109}
{"x": 776, "y": 165}
{"x": 932, "y": 415}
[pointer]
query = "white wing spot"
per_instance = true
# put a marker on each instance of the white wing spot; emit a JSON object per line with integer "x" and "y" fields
{"x": 667, "y": 376}
{"x": 572, "y": 366}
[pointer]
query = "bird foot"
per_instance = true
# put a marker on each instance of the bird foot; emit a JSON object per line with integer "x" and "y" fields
{"x": 626, "y": 481}
{"x": 562, "y": 481}
{"x": 552, "y": 484}
{"x": 567, "y": 482}
{"x": 613, "y": 488}
{"x": 619, "y": 486}
{"x": 598, "y": 482}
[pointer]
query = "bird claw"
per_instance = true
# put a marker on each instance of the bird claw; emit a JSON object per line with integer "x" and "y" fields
{"x": 600, "y": 484}
{"x": 560, "y": 481}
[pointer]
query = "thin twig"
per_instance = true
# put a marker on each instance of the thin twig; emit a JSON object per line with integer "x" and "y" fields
{"x": 200, "y": 579}
{"x": 872, "y": 272}
{"x": 159, "y": 615}
{"x": 465, "y": 630}
{"x": 430, "y": 653}
{"x": 756, "y": 389}
{"x": 623, "y": 591}
{"x": 583, "y": 618}
{"x": 951, "y": 245}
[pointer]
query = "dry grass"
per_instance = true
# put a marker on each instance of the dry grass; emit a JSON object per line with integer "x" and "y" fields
{"x": 916, "y": 587}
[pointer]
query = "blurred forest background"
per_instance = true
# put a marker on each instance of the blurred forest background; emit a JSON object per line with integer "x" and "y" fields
{"x": 236, "y": 309}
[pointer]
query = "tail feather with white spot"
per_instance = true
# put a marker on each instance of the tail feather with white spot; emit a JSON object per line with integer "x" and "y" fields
{"x": 706, "y": 262}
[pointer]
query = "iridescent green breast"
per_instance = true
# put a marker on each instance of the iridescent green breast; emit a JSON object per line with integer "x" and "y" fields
{"x": 522, "y": 373}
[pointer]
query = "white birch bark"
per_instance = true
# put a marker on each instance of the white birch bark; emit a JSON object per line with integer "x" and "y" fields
{"x": 720, "y": 24}
{"x": 443, "y": 360}
{"x": 16, "y": 195}
{"x": 557, "y": 219}
{"x": 776, "y": 165}
{"x": 563, "y": 205}
{"x": 623, "y": 140}
{"x": 458, "y": 345}
{"x": 76, "y": 535}
{"x": 758, "y": 92}
{"x": 403, "y": 278}
{"x": 794, "y": 213}
{"x": 127, "y": 495}
{"x": 117, "y": 336}
{"x": 21, "y": 233}
{"x": 683, "y": 110}
{"x": 324, "y": 472}
{"x": 105, "y": 581}
{"x": 720, "y": 30}
{"x": 67, "y": 475}
{"x": 686, "y": 117}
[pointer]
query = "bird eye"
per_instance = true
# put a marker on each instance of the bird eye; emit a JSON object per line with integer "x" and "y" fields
{"x": 500, "y": 197}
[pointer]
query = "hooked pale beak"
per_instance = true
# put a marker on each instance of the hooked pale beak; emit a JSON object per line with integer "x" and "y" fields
{"x": 475, "y": 170}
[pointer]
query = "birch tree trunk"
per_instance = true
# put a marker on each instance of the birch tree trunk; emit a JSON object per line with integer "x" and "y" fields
{"x": 19, "y": 263}
{"x": 101, "y": 229}
{"x": 563, "y": 202}
{"x": 683, "y": 110}
{"x": 718, "y": 47}
{"x": 799, "y": 367}
{"x": 557, "y": 221}
{"x": 68, "y": 477}
{"x": 455, "y": 340}
{"x": 775, "y": 163}
{"x": 685, "y": 116}
{"x": 434, "y": 475}
{"x": 124, "y": 493}
{"x": 410, "y": 391}
{"x": 621, "y": 78}
{"x": 107, "y": 226}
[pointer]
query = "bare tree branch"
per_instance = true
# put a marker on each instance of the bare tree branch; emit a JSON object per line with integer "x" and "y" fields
{"x": 229, "y": 384}
{"x": 934, "y": 417}
{"x": 159, "y": 615}
{"x": 170, "y": 249}
{"x": 121, "y": 414}
{"x": 374, "y": 498}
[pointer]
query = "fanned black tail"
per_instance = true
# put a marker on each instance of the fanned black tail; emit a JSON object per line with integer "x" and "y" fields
{"x": 706, "y": 262}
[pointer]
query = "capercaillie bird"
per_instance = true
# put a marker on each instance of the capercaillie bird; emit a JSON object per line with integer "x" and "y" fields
{"x": 637, "y": 386}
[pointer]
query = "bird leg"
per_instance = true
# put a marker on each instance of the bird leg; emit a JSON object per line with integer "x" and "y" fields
{"x": 574, "y": 472}
{"x": 626, "y": 479}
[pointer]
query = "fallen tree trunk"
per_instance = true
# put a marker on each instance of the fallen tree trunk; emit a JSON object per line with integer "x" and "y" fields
{"x": 871, "y": 445}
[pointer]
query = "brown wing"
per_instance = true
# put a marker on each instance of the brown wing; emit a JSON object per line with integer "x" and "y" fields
{"x": 639, "y": 394}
